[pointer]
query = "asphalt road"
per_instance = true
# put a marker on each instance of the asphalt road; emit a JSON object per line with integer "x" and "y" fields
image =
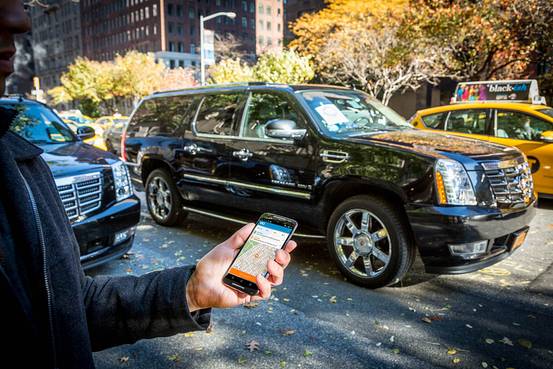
{"x": 500, "y": 317}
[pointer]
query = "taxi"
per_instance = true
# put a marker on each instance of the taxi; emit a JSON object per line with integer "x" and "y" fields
{"x": 510, "y": 113}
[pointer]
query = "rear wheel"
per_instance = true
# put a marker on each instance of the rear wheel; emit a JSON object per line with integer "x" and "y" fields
{"x": 370, "y": 241}
{"x": 163, "y": 199}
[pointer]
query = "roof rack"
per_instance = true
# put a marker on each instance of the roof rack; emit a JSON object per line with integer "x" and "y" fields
{"x": 222, "y": 85}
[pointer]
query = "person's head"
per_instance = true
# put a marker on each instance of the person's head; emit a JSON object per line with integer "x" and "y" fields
{"x": 13, "y": 20}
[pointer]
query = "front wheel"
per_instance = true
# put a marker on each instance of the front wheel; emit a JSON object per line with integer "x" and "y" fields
{"x": 163, "y": 198}
{"x": 370, "y": 241}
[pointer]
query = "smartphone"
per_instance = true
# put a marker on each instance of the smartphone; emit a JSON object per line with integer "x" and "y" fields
{"x": 271, "y": 232}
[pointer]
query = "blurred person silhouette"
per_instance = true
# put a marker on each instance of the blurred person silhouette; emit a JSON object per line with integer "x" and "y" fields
{"x": 53, "y": 316}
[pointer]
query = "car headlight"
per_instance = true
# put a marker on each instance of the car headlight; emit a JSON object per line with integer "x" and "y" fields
{"x": 122, "y": 179}
{"x": 453, "y": 184}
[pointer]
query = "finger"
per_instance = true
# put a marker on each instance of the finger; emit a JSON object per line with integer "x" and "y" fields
{"x": 264, "y": 287}
{"x": 282, "y": 257}
{"x": 239, "y": 238}
{"x": 276, "y": 272}
{"x": 290, "y": 246}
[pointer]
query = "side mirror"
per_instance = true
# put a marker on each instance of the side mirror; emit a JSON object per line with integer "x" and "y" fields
{"x": 547, "y": 136}
{"x": 85, "y": 132}
{"x": 284, "y": 129}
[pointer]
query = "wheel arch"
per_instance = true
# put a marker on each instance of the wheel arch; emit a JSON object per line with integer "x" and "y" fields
{"x": 338, "y": 191}
{"x": 149, "y": 164}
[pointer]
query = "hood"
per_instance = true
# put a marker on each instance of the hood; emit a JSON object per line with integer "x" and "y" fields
{"x": 440, "y": 144}
{"x": 74, "y": 158}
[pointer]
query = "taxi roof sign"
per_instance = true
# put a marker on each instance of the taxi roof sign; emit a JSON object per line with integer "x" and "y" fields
{"x": 521, "y": 91}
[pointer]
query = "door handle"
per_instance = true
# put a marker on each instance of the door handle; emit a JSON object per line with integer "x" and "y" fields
{"x": 243, "y": 154}
{"x": 194, "y": 149}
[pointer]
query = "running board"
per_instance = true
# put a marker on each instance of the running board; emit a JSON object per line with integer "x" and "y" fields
{"x": 235, "y": 220}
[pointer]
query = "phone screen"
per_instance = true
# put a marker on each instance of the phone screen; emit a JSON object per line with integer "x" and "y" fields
{"x": 262, "y": 245}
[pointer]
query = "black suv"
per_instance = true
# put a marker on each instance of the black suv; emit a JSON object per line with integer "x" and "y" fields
{"x": 346, "y": 167}
{"x": 94, "y": 186}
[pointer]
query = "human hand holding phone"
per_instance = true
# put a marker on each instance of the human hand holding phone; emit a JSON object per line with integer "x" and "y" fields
{"x": 206, "y": 288}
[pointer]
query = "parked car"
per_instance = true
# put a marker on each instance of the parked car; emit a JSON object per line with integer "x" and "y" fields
{"x": 346, "y": 167}
{"x": 94, "y": 186}
{"x": 75, "y": 119}
{"x": 525, "y": 123}
{"x": 112, "y": 134}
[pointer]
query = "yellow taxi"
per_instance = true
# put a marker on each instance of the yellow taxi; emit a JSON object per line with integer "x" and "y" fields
{"x": 506, "y": 112}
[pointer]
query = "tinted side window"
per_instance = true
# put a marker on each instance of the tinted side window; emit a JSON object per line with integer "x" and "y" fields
{"x": 218, "y": 114}
{"x": 162, "y": 116}
{"x": 520, "y": 126}
{"x": 468, "y": 121}
{"x": 434, "y": 120}
{"x": 263, "y": 107}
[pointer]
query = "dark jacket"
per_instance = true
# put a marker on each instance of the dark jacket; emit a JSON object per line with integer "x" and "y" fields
{"x": 74, "y": 314}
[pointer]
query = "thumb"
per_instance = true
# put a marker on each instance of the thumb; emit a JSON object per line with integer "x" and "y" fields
{"x": 239, "y": 238}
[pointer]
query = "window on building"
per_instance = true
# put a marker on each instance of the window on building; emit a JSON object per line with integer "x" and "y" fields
{"x": 261, "y": 24}
{"x": 191, "y": 13}
{"x": 181, "y": 63}
{"x": 154, "y": 10}
{"x": 260, "y": 9}
{"x": 141, "y": 14}
{"x": 179, "y": 29}
{"x": 268, "y": 10}
{"x": 172, "y": 64}
{"x": 244, "y": 22}
{"x": 192, "y": 30}
{"x": 155, "y": 29}
{"x": 261, "y": 40}
{"x": 278, "y": 27}
{"x": 252, "y": 7}
{"x": 269, "y": 41}
{"x": 179, "y": 11}
{"x": 169, "y": 9}
{"x": 268, "y": 26}
{"x": 171, "y": 46}
{"x": 244, "y": 5}
{"x": 147, "y": 12}
{"x": 192, "y": 49}
{"x": 181, "y": 47}
{"x": 170, "y": 27}
{"x": 252, "y": 23}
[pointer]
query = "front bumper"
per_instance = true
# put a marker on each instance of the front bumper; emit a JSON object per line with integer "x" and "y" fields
{"x": 436, "y": 227}
{"x": 96, "y": 234}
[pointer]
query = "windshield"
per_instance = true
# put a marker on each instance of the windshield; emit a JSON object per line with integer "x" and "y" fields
{"x": 38, "y": 124}
{"x": 547, "y": 111}
{"x": 351, "y": 113}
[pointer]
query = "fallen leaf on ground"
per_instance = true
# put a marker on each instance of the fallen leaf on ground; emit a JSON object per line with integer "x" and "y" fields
{"x": 451, "y": 351}
{"x": 123, "y": 359}
{"x": 332, "y": 300}
{"x": 189, "y": 334}
{"x": 268, "y": 353}
{"x": 468, "y": 326}
{"x": 395, "y": 351}
{"x": 525, "y": 343}
{"x": 288, "y": 332}
{"x": 241, "y": 359}
{"x": 252, "y": 346}
{"x": 307, "y": 353}
{"x": 251, "y": 304}
{"x": 484, "y": 364}
{"x": 426, "y": 320}
{"x": 456, "y": 360}
{"x": 489, "y": 341}
{"x": 506, "y": 341}
{"x": 282, "y": 363}
{"x": 175, "y": 358}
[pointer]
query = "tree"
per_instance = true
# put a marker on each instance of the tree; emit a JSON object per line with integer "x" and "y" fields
{"x": 228, "y": 46}
{"x": 230, "y": 70}
{"x": 283, "y": 67}
{"x": 363, "y": 43}
{"x": 104, "y": 85}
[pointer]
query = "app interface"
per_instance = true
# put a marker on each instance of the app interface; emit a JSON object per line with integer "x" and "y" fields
{"x": 261, "y": 247}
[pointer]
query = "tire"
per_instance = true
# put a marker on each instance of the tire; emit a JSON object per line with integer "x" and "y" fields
{"x": 163, "y": 199}
{"x": 384, "y": 239}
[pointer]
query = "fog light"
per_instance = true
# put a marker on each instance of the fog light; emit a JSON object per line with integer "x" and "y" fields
{"x": 469, "y": 250}
{"x": 123, "y": 235}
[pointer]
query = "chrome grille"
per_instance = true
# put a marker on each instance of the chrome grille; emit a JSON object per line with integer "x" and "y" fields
{"x": 511, "y": 182}
{"x": 81, "y": 194}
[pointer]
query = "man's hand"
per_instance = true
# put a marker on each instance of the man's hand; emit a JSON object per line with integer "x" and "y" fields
{"x": 205, "y": 288}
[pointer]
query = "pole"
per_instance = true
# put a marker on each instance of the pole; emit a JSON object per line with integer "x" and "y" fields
{"x": 202, "y": 66}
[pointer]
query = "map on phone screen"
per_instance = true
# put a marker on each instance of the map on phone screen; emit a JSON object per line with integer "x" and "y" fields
{"x": 261, "y": 247}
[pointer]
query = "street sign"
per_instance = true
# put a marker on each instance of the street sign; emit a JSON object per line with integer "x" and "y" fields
{"x": 209, "y": 47}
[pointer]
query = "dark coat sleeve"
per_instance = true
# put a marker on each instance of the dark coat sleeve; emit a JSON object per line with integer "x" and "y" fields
{"x": 124, "y": 309}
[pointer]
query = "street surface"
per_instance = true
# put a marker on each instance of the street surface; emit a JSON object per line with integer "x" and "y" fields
{"x": 500, "y": 317}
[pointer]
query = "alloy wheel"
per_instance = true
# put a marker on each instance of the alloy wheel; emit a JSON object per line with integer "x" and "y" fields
{"x": 159, "y": 198}
{"x": 362, "y": 243}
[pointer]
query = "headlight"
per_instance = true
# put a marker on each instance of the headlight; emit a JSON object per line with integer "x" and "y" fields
{"x": 453, "y": 183}
{"x": 122, "y": 179}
